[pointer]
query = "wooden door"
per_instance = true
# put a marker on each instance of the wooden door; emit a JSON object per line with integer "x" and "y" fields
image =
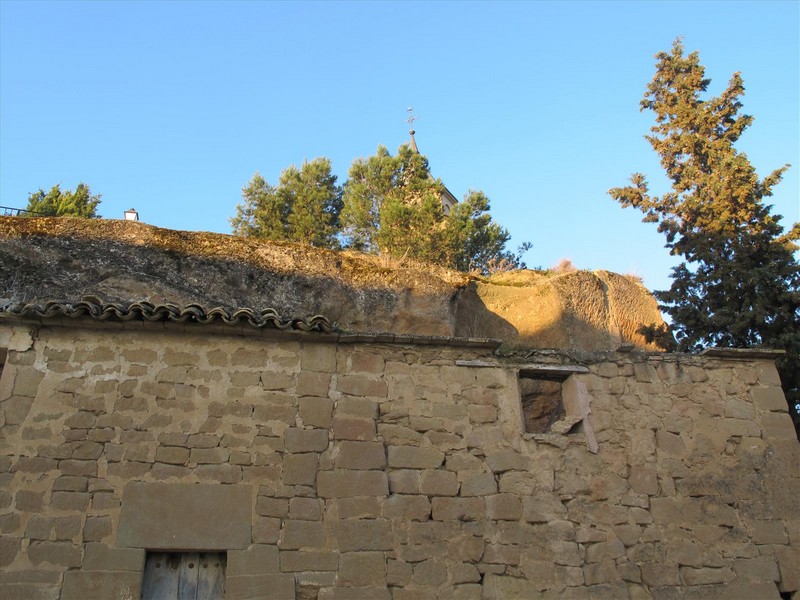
{"x": 184, "y": 576}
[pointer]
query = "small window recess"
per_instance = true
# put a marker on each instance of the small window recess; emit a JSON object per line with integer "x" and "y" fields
{"x": 3, "y": 356}
{"x": 184, "y": 576}
{"x": 555, "y": 402}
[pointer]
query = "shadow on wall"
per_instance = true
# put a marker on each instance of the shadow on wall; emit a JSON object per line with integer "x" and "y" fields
{"x": 575, "y": 311}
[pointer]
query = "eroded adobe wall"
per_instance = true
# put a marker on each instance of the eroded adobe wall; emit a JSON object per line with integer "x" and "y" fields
{"x": 386, "y": 471}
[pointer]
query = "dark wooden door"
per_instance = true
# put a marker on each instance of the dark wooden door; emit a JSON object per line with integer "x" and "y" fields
{"x": 184, "y": 576}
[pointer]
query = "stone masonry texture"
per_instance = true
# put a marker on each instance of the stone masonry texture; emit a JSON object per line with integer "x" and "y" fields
{"x": 368, "y": 470}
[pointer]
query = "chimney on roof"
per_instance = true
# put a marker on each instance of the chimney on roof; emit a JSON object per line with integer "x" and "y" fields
{"x": 131, "y": 215}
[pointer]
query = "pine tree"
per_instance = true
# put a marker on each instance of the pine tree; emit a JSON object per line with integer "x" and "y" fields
{"x": 304, "y": 207}
{"x": 57, "y": 203}
{"x": 393, "y": 206}
{"x": 739, "y": 284}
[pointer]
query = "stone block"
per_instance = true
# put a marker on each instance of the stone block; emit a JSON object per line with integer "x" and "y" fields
{"x": 643, "y": 480}
{"x": 660, "y": 573}
{"x": 172, "y": 455}
{"x": 248, "y": 587}
{"x": 479, "y": 484}
{"x": 70, "y": 500}
{"x": 360, "y": 455}
{"x": 316, "y": 412}
{"x": 26, "y": 382}
{"x": 61, "y": 554}
{"x": 82, "y": 585}
{"x": 350, "y": 428}
{"x": 207, "y": 456}
{"x": 35, "y": 464}
{"x": 258, "y": 559}
{"x": 768, "y": 373}
{"x": 313, "y": 384}
{"x": 28, "y": 501}
{"x": 482, "y": 413}
{"x": 16, "y": 409}
{"x": 502, "y": 587}
{"x": 768, "y": 532}
{"x": 302, "y": 534}
{"x": 300, "y": 469}
{"x": 266, "y": 530}
{"x": 435, "y": 482}
{"x": 777, "y": 425}
{"x": 201, "y": 440}
{"x": 96, "y": 528}
{"x": 408, "y": 508}
{"x": 363, "y": 408}
{"x": 165, "y": 516}
{"x": 457, "y": 509}
{"x": 306, "y": 509}
{"x": 508, "y": 461}
{"x": 9, "y": 548}
{"x": 412, "y": 457}
{"x": 769, "y": 399}
{"x": 320, "y": 560}
{"x": 762, "y": 568}
{"x": 601, "y": 572}
{"x": 272, "y": 507}
{"x": 601, "y": 551}
{"x": 99, "y": 557}
{"x": 359, "y": 507}
{"x": 362, "y": 386}
{"x": 739, "y": 427}
{"x": 406, "y": 481}
{"x": 364, "y": 534}
{"x": 318, "y": 357}
{"x": 542, "y": 509}
{"x": 362, "y": 569}
{"x": 224, "y": 473}
{"x": 670, "y": 444}
{"x": 705, "y": 575}
{"x": 345, "y": 483}
{"x": 272, "y": 380}
{"x": 507, "y": 507}
{"x": 306, "y": 440}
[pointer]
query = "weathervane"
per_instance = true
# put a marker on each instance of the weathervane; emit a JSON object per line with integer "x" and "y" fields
{"x": 411, "y": 118}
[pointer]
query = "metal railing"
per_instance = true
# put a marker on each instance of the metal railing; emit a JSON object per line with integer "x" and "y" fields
{"x": 8, "y": 211}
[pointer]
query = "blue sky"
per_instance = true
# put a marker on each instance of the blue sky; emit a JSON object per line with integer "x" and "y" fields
{"x": 171, "y": 107}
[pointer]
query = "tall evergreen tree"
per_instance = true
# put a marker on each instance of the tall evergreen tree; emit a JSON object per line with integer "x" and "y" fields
{"x": 393, "y": 205}
{"x": 397, "y": 189}
{"x": 304, "y": 207}
{"x": 739, "y": 284}
{"x": 58, "y": 203}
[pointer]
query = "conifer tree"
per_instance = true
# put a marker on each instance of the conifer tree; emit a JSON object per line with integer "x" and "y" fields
{"x": 392, "y": 205}
{"x": 58, "y": 203}
{"x": 739, "y": 284}
{"x": 304, "y": 207}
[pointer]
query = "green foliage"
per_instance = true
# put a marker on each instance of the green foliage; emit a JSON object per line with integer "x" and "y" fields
{"x": 392, "y": 205}
{"x": 304, "y": 207}
{"x": 57, "y": 203}
{"x": 739, "y": 284}
{"x": 389, "y": 205}
{"x": 387, "y": 191}
{"x": 473, "y": 241}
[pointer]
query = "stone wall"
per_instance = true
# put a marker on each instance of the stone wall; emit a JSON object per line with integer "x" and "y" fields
{"x": 372, "y": 470}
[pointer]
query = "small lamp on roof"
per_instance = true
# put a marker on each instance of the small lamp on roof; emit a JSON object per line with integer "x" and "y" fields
{"x": 131, "y": 215}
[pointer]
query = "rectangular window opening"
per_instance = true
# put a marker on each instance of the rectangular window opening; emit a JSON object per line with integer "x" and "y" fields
{"x": 184, "y": 575}
{"x": 542, "y": 402}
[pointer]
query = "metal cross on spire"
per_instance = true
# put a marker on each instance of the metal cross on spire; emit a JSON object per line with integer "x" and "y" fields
{"x": 410, "y": 120}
